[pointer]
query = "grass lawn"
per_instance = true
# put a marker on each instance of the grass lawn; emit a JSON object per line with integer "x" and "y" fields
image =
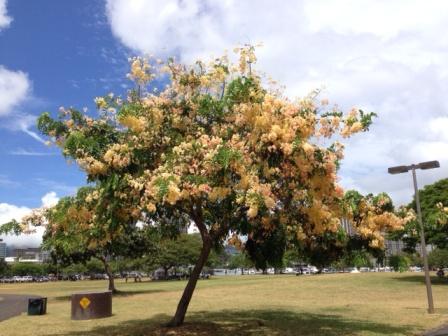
{"x": 334, "y": 304}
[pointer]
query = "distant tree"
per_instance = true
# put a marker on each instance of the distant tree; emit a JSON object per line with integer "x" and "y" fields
{"x": 415, "y": 259}
{"x": 4, "y": 267}
{"x": 359, "y": 259}
{"x": 438, "y": 258}
{"x": 399, "y": 262}
{"x": 217, "y": 258}
{"x": 74, "y": 269}
{"x": 433, "y": 200}
{"x": 181, "y": 251}
{"x": 22, "y": 269}
{"x": 291, "y": 257}
{"x": 74, "y": 233}
{"x": 240, "y": 261}
{"x": 94, "y": 265}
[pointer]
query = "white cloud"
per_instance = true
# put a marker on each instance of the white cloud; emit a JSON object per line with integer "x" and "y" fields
{"x": 26, "y": 152}
{"x": 50, "y": 199}
{"x": 382, "y": 18}
{"x": 23, "y": 123}
{"x": 5, "y": 20}
{"x": 14, "y": 89}
{"x": 384, "y": 56}
{"x": 9, "y": 212}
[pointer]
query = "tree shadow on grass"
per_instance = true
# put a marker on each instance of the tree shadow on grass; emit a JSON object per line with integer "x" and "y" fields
{"x": 248, "y": 322}
{"x": 420, "y": 278}
{"x": 119, "y": 293}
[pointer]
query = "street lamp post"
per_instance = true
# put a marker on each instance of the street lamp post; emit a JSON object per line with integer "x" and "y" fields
{"x": 405, "y": 169}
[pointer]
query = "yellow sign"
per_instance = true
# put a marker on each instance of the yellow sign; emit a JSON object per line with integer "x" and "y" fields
{"x": 84, "y": 302}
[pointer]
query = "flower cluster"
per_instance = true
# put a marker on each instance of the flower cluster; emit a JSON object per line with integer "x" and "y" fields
{"x": 373, "y": 217}
{"x": 140, "y": 70}
{"x": 118, "y": 156}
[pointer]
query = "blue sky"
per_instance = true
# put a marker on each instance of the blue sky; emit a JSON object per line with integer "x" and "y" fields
{"x": 383, "y": 56}
{"x": 69, "y": 56}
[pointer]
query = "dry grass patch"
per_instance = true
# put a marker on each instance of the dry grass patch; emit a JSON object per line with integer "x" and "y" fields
{"x": 338, "y": 304}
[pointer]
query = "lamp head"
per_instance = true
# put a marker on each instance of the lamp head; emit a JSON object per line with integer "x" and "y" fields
{"x": 429, "y": 165}
{"x": 398, "y": 169}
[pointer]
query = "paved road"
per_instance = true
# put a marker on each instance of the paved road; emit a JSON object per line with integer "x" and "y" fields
{"x": 441, "y": 331}
{"x": 12, "y": 305}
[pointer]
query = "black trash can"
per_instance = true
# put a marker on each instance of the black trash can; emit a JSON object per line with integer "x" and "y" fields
{"x": 37, "y": 306}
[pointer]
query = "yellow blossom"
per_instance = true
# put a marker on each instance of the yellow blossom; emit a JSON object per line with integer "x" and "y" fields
{"x": 252, "y": 212}
{"x": 173, "y": 194}
{"x": 356, "y": 127}
{"x": 151, "y": 207}
{"x": 100, "y": 102}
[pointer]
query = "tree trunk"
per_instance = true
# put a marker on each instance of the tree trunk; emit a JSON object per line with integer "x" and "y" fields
{"x": 110, "y": 275}
{"x": 182, "y": 307}
{"x": 165, "y": 270}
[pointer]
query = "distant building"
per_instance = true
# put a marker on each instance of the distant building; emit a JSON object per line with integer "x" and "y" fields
{"x": 2, "y": 250}
{"x": 348, "y": 227}
{"x": 393, "y": 247}
{"x": 9, "y": 249}
{"x": 30, "y": 254}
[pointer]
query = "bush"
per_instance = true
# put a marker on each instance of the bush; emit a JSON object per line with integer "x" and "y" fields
{"x": 94, "y": 266}
{"x": 74, "y": 269}
{"x": 22, "y": 269}
{"x": 438, "y": 258}
{"x": 5, "y": 269}
{"x": 400, "y": 263}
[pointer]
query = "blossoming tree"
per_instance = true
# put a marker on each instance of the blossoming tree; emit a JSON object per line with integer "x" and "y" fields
{"x": 220, "y": 146}
{"x": 75, "y": 231}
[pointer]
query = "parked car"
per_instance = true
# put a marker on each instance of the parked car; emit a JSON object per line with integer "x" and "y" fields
{"x": 303, "y": 270}
{"x": 203, "y": 276}
{"x": 98, "y": 276}
{"x": 307, "y": 270}
{"x": 40, "y": 279}
{"x": 6, "y": 280}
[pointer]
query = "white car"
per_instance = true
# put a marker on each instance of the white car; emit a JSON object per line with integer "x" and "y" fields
{"x": 415, "y": 269}
{"x": 16, "y": 278}
{"x": 313, "y": 269}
